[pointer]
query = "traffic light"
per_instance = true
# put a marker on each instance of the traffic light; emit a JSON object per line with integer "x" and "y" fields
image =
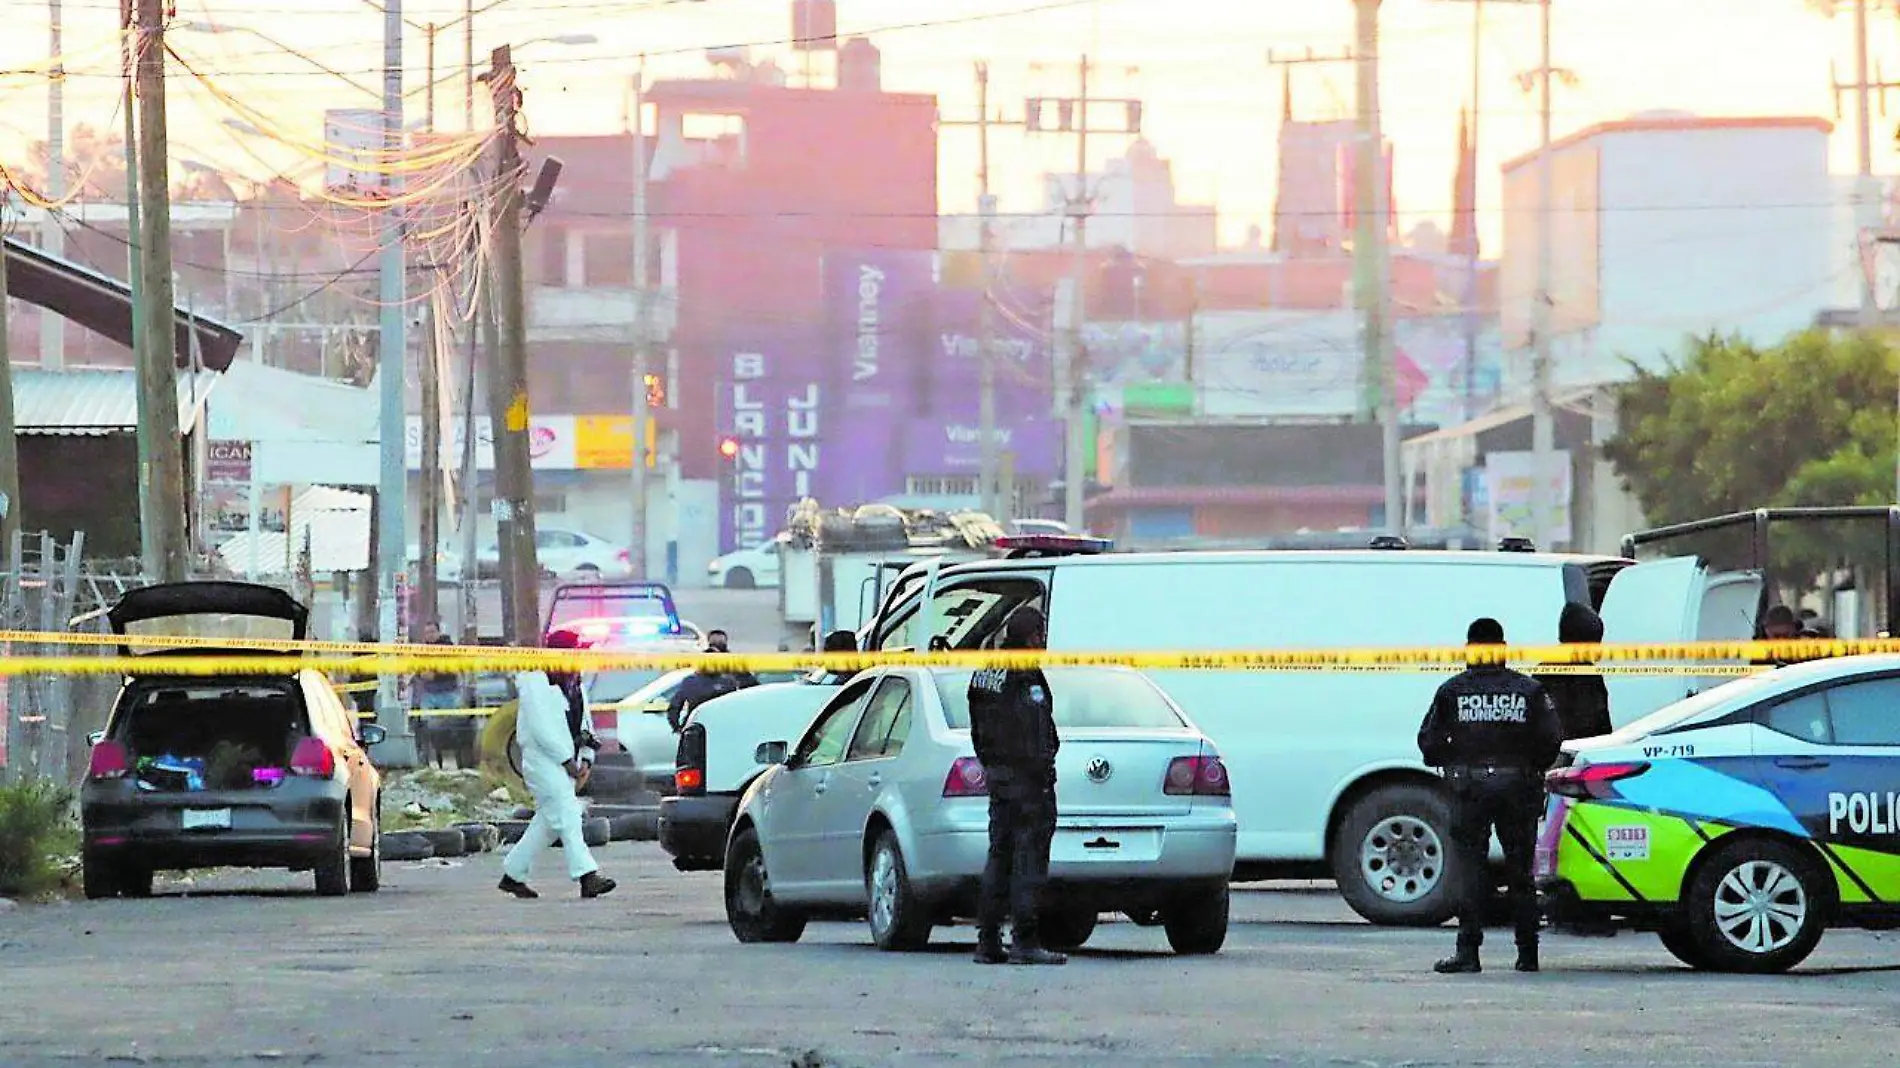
{"x": 729, "y": 448}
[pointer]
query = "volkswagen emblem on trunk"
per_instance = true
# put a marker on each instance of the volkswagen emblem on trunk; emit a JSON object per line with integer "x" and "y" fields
{"x": 1099, "y": 769}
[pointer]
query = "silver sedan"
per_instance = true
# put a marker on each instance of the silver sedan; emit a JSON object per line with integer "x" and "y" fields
{"x": 880, "y": 810}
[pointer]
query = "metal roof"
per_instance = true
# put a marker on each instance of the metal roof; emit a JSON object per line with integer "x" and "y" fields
{"x": 93, "y": 403}
{"x": 103, "y": 304}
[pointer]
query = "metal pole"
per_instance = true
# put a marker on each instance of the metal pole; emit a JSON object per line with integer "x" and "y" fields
{"x": 1373, "y": 260}
{"x": 1074, "y": 511}
{"x": 161, "y": 452}
{"x": 429, "y": 536}
{"x": 52, "y": 234}
{"x": 9, "y": 444}
{"x": 428, "y": 36}
{"x": 392, "y": 361}
{"x": 986, "y": 339}
{"x": 1471, "y": 260}
{"x": 1543, "y": 429}
{"x": 468, "y": 67}
{"x": 642, "y": 336}
{"x": 479, "y": 314}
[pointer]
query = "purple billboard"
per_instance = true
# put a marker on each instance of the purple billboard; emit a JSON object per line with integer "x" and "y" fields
{"x": 946, "y": 438}
{"x": 878, "y": 314}
{"x": 772, "y": 401}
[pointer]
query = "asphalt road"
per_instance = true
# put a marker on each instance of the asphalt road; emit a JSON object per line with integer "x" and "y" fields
{"x": 440, "y": 971}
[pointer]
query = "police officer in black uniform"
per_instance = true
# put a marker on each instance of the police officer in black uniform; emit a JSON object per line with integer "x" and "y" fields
{"x": 1493, "y": 731}
{"x": 1012, "y": 724}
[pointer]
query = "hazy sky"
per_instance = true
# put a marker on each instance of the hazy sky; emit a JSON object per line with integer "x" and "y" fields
{"x": 1212, "y": 100}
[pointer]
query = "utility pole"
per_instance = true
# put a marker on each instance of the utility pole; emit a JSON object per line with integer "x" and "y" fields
{"x": 52, "y": 234}
{"x": 642, "y": 334}
{"x": 1470, "y": 146}
{"x": 1072, "y": 117}
{"x": 428, "y": 37}
{"x": 429, "y": 537}
{"x": 1371, "y": 211}
{"x": 1371, "y": 252}
{"x": 9, "y": 442}
{"x": 392, "y": 351}
{"x": 1870, "y": 94}
{"x": 508, "y": 388}
{"x": 989, "y": 492}
{"x": 161, "y": 454}
{"x": 468, "y": 68}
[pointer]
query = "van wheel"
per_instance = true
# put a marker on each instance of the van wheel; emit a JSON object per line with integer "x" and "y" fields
{"x": 750, "y": 910}
{"x": 1756, "y": 906}
{"x": 1391, "y": 857}
{"x": 333, "y": 871}
{"x": 1196, "y": 921}
{"x": 1064, "y": 929}
{"x": 740, "y": 578}
{"x": 899, "y": 921}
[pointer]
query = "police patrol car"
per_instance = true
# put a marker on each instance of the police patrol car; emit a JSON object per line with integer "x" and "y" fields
{"x": 1740, "y": 823}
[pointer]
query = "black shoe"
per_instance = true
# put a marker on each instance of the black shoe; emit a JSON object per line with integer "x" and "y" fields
{"x": 1033, "y": 955}
{"x": 991, "y": 953}
{"x": 1527, "y": 960}
{"x": 1461, "y": 964}
{"x": 594, "y": 884}
{"x": 511, "y": 885}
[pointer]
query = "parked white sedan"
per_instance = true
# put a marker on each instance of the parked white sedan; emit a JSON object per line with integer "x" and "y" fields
{"x": 880, "y": 809}
{"x": 746, "y": 569}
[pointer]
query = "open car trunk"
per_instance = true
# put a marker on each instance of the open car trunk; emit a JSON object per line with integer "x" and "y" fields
{"x": 210, "y": 736}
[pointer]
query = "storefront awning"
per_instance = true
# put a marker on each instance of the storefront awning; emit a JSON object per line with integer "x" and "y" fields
{"x": 103, "y": 305}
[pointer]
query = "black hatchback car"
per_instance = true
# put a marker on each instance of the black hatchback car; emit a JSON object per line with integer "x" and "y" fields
{"x": 257, "y": 771}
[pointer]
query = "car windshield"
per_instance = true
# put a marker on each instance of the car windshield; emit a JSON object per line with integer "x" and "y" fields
{"x": 1084, "y": 698}
{"x": 1690, "y": 707}
{"x": 220, "y": 625}
{"x": 612, "y": 687}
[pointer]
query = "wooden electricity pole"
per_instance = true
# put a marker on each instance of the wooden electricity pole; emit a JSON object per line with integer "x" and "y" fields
{"x": 161, "y": 454}
{"x": 9, "y": 443}
{"x": 508, "y": 386}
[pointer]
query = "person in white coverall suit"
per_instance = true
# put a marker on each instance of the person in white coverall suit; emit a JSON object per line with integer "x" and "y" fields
{"x": 552, "y": 767}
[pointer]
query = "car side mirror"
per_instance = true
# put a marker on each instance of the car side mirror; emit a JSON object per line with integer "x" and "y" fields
{"x": 769, "y": 753}
{"x": 371, "y": 734}
{"x": 95, "y": 737}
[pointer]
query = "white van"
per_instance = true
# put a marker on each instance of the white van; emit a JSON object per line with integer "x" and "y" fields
{"x": 1327, "y": 780}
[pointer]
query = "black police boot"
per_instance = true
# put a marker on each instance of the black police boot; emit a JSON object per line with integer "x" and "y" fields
{"x": 594, "y": 884}
{"x": 511, "y": 885}
{"x": 1463, "y": 962}
{"x": 1527, "y": 958}
{"x": 1035, "y": 955}
{"x": 989, "y": 948}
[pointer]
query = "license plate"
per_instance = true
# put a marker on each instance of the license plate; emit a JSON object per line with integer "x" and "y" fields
{"x": 1105, "y": 844}
{"x": 207, "y": 819}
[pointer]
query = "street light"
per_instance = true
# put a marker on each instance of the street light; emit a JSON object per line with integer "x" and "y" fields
{"x": 429, "y": 30}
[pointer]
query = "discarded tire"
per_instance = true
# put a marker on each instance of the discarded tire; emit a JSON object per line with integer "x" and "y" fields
{"x": 511, "y": 830}
{"x": 407, "y": 845}
{"x": 524, "y": 812}
{"x": 479, "y": 837}
{"x": 596, "y": 832}
{"x": 635, "y": 826}
{"x": 448, "y": 842}
{"x": 613, "y": 782}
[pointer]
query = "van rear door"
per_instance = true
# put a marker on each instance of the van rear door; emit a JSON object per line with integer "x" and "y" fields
{"x": 1671, "y": 600}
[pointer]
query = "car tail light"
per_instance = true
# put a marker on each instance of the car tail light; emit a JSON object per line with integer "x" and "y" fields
{"x": 109, "y": 761}
{"x": 313, "y": 758}
{"x": 1589, "y": 781}
{"x": 966, "y": 779}
{"x": 624, "y": 556}
{"x": 1197, "y": 776}
{"x": 689, "y": 766}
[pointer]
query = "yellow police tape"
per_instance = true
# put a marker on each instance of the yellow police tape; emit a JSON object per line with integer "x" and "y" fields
{"x": 363, "y": 659}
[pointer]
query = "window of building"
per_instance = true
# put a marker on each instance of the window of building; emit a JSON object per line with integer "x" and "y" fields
{"x": 607, "y": 259}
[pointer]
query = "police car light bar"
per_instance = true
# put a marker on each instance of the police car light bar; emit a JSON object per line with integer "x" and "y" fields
{"x": 1018, "y": 545}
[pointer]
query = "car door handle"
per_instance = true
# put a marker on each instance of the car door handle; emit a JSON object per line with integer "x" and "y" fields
{"x": 874, "y": 781}
{"x": 821, "y": 786}
{"x": 1801, "y": 763}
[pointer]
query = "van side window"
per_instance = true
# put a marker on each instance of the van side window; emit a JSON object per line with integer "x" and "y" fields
{"x": 968, "y": 615}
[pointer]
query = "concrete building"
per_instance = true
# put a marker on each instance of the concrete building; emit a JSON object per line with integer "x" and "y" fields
{"x": 1666, "y": 225}
{"x": 1135, "y": 208}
